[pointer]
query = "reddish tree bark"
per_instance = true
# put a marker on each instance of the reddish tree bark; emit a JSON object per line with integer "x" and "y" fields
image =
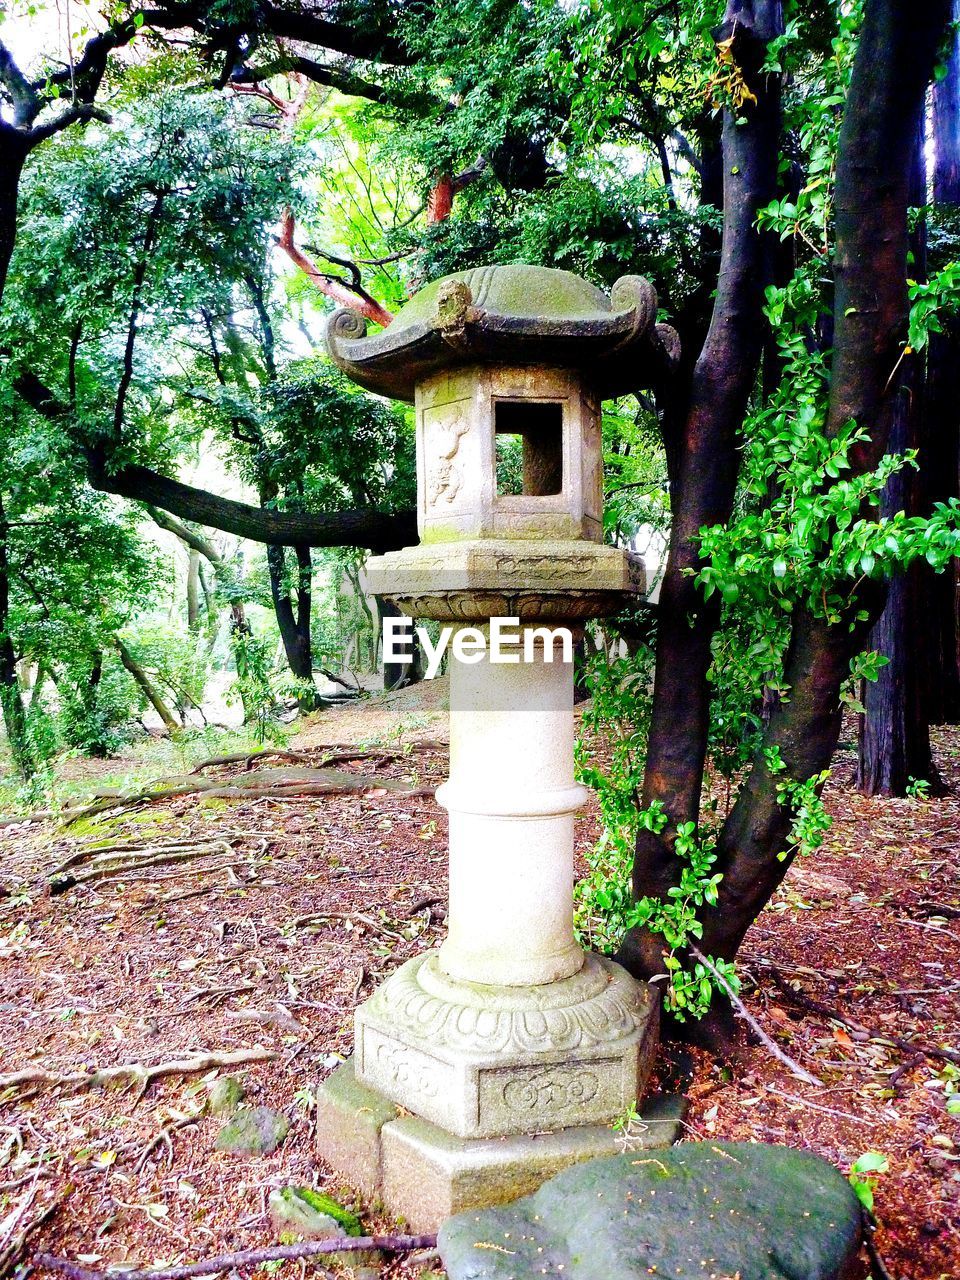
{"x": 440, "y": 200}
{"x": 354, "y": 298}
{"x": 943, "y": 405}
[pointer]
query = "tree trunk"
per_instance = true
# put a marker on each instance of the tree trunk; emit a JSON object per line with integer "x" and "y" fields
{"x": 398, "y": 675}
{"x": 893, "y": 65}
{"x": 943, "y": 406}
{"x": 294, "y": 623}
{"x": 704, "y": 489}
{"x": 193, "y": 590}
{"x": 894, "y": 736}
{"x": 11, "y": 697}
{"x": 892, "y": 68}
{"x": 13, "y": 153}
{"x": 170, "y": 722}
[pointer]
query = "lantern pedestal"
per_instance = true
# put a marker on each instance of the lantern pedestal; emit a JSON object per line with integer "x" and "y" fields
{"x": 513, "y": 1050}
{"x": 509, "y": 1030}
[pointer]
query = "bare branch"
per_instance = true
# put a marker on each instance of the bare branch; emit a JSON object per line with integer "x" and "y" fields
{"x": 350, "y": 296}
{"x": 247, "y": 1257}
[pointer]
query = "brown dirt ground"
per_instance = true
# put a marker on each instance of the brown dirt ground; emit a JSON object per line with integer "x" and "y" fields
{"x": 208, "y": 954}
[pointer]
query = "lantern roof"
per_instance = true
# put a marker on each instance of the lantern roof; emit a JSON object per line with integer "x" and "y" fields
{"x": 512, "y": 315}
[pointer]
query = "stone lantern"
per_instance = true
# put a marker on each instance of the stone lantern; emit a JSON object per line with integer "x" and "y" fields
{"x": 483, "y": 1068}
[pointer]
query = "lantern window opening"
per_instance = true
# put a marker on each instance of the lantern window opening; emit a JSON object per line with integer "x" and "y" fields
{"x": 528, "y": 436}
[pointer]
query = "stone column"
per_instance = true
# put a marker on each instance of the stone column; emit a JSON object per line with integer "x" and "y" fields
{"x": 512, "y": 798}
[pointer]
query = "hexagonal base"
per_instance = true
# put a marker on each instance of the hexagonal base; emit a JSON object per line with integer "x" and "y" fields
{"x": 423, "y": 1174}
{"x": 486, "y": 1061}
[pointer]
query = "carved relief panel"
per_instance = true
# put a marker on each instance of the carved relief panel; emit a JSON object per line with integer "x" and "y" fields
{"x": 508, "y": 452}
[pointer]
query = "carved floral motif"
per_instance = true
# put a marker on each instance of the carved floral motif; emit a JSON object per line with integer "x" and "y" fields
{"x": 408, "y": 1070}
{"x": 605, "y": 1006}
{"x": 551, "y": 1091}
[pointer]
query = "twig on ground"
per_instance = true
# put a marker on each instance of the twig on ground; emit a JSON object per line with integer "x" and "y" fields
{"x": 317, "y": 917}
{"x": 16, "y": 1183}
{"x": 929, "y": 928}
{"x": 133, "y": 1072}
{"x": 859, "y": 1032}
{"x": 279, "y": 1017}
{"x": 421, "y": 905}
{"x": 877, "y": 1264}
{"x": 246, "y": 1257}
{"x": 827, "y": 1111}
{"x": 947, "y": 910}
{"x": 361, "y": 976}
{"x": 216, "y": 995}
{"x": 908, "y": 1064}
{"x": 163, "y": 1135}
{"x": 741, "y": 1009}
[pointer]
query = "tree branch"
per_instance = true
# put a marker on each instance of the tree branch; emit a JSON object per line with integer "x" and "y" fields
{"x": 83, "y": 111}
{"x": 25, "y": 100}
{"x": 350, "y": 296}
{"x": 377, "y": 531}
{"x": 247, "y": 1257}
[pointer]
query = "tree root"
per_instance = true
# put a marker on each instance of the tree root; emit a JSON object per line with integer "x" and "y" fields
{"x": 311, "y": 780}
{"x": 742, "y": 1011}
{"x": 110, "y": 864}
{"x": 246, "y": 1257}
{"x": 132, "y": 1072}
{"x": 17, "y": 1228}
{"x": 247, "y": 758}
{"x": 271, "y": 783}
{"x": 339, "y": 755}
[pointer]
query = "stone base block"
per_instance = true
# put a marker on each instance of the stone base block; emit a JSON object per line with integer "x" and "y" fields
{"x": 483, "y": 1061}
{"x": 349, "y": 1120}
{"x": 423, "y": 1174}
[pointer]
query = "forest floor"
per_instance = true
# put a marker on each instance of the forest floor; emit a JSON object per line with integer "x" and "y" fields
{"x": 282, "y": 913}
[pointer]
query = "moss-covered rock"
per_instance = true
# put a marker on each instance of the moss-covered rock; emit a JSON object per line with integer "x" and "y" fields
{"x": 225, "y": 1094}
{"x": 311, "y": 1214}
{"x": 698, "y": 1210}
{"x": 256, "y": 1132}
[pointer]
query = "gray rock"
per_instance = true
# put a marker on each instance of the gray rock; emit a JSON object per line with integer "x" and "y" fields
{"x": 294, "y": 1211}
{"x": 225, "y": 1094}
{"x": 754, "y": 1211}
{"x": 257, "y": 1132}
{"x": 311, "y": 1213}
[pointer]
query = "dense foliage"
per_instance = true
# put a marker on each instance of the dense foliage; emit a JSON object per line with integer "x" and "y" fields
{"x": 765, "y": 164}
